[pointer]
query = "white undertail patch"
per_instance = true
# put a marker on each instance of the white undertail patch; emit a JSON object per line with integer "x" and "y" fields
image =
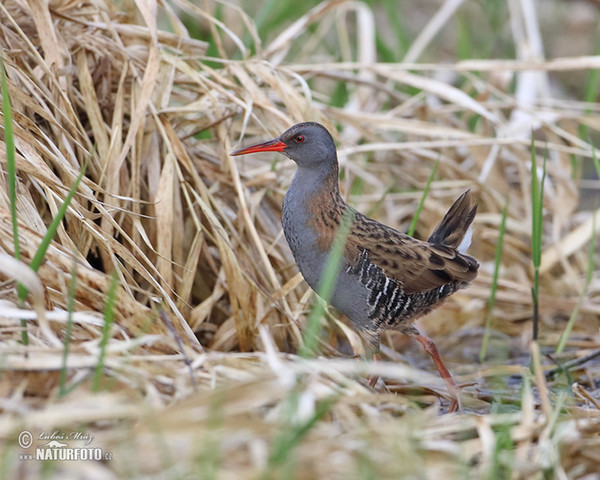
{"x": 466, "y": 241}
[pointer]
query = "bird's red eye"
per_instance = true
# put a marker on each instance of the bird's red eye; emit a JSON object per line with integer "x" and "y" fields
{"x": 299, "y": 138}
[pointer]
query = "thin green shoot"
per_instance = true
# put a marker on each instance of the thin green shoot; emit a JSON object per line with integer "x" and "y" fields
{"x": 576, "y": 169}
{"x": 494, "y": 286}
{"x": 11, "y": 171}
{"x": 327, "y": 284}
{"x": 397, "y": 19}
{"x": 209, "y": 457}
{"x": 289, "y": 440}
{"x": 384, "y": 52}
{"x": 464, "y": 40}
{"x": 62, "y": 381}
{"x": 591, "y": 93}
{"x": 596, "y": 163}
{"x": 109, "y": 316}
{"x": 392, "y": 42}
{"x": 214, "y": 44}
{"x": 503, "y": 454}
{"x": 38, "y": 258}
{"x": 415, "y": 219}
{"x": 275, "y": 15}
{"x": 537, "y": 204}
{"x": 591, "y": 90}
{"x": 340, "y": 96}
{"x": 264, "y": 14}
{"x": 357, "y": 186}
{"x": 379, "y": 202}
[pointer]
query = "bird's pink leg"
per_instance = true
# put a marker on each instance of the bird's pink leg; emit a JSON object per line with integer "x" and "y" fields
{"x": 431, "y": 349}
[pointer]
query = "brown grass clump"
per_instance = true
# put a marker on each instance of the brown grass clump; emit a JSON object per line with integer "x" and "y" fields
{"x": 201, "y": 372}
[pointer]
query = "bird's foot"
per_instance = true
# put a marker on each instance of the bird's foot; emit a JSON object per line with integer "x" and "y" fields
{"x": 456, "y": 403}
{"x": 455, "y": 393}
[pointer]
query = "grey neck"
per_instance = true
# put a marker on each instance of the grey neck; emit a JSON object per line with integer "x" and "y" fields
{"x": 296, "y": 216}
{"x": 310, "y": 181}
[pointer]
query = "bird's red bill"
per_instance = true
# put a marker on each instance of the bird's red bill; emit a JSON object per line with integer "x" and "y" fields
{"x": 270, "y": 146}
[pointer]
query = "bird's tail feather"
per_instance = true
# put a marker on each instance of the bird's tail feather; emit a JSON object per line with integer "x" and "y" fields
{"x": 456, "y": 229}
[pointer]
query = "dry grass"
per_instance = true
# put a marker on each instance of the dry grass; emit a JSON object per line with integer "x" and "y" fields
{"x": 193, "y": 233}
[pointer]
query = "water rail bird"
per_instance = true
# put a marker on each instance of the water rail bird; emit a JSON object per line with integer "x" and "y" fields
{"x": 386, "y": 279}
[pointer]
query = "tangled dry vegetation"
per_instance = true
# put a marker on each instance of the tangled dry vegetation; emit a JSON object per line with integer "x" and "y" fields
{"x": 201, "y": 375}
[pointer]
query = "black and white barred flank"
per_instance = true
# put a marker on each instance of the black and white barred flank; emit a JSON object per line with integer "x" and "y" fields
{"x": 388, "y": 302}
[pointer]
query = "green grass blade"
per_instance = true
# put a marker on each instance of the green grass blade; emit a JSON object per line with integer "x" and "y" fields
{"x": 396, "y": 16}
{"x": 415, "y": 219}
{"x": 537, "y": 205}
{"x": 38, "y": 258}
{"x": 591, "y": 91}
{"x": 328, "y": 280}
{"x": 62, "y": 382}
{"x": 68, "y": 331}
{"x": 494, "y": 286}
{"x": 109, "y": 316}
{"x": 266, "y": 16}
{"x": 464, "y": 41}
{"x": 596, "y": 162}
{"x": 11, "y": 171}
{"x": 285, "y": 445}
{"x": 501, "y": 463}
{"x": 393, "y": 42}
{"x": 209, "y": 454}
{"x": 377, "y": 205}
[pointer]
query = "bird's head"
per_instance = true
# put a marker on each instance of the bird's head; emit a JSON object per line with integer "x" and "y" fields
{"x": 309, "y": 144}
